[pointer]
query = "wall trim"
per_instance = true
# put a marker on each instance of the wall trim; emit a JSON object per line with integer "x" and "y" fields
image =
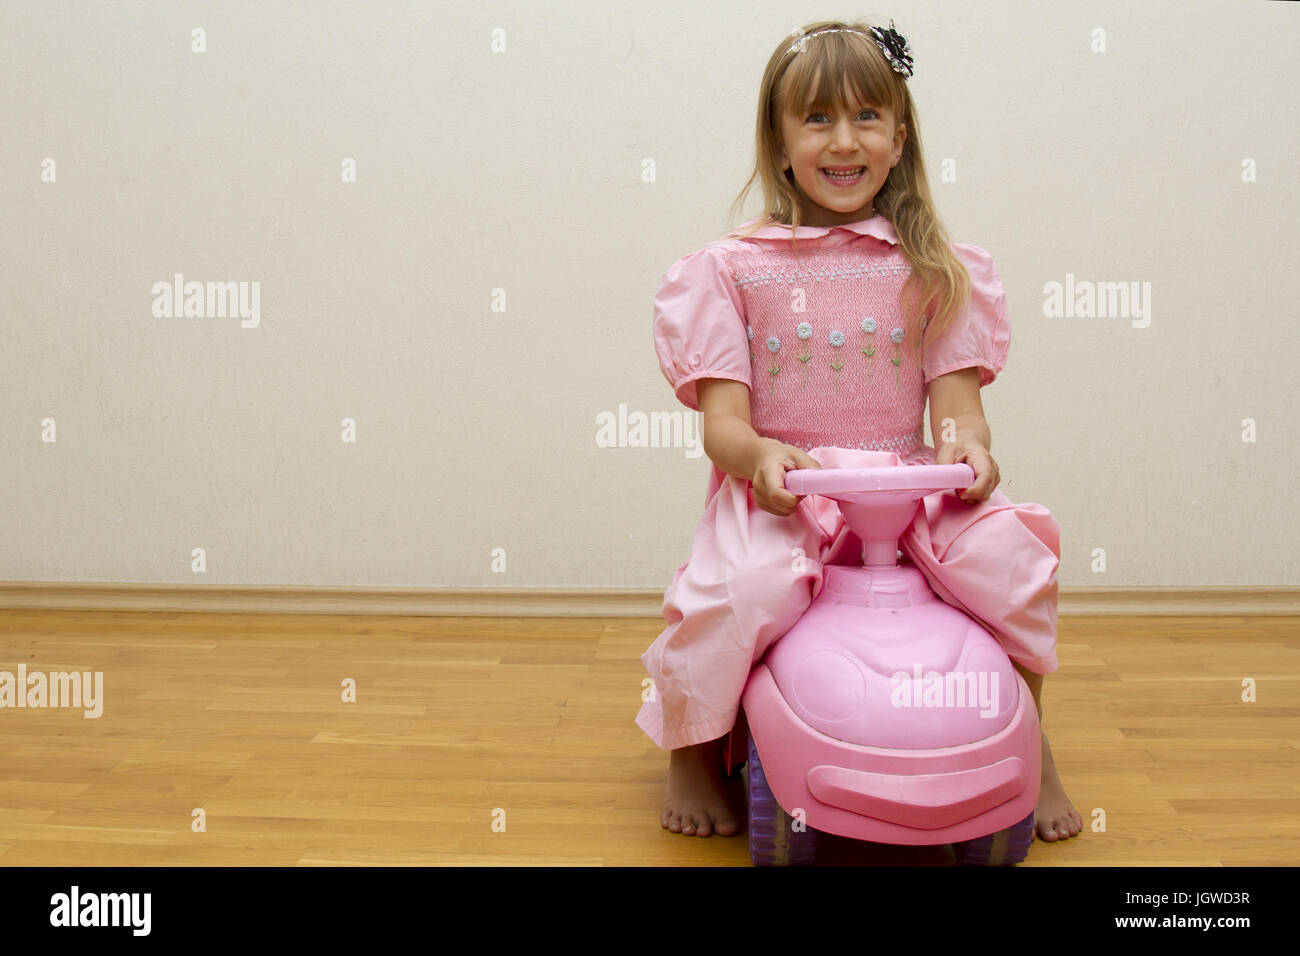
{"x": 558, "y": 602}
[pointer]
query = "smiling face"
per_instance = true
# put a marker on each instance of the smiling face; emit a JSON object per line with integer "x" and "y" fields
{"x": 862, "y": 137}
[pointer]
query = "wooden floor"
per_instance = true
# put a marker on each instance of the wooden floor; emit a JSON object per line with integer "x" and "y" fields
{"x": 241, "y": 716}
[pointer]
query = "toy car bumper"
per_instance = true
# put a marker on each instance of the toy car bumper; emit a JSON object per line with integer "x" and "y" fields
{"x": 905, "y": 797}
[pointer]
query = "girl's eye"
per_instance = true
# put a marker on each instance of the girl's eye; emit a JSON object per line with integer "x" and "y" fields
{"x": 813, "y": 116}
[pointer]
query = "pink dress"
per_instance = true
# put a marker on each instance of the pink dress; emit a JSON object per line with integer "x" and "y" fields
{"x": 833, "y": 368}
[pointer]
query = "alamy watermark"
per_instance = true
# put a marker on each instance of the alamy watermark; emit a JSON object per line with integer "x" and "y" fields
{"x": 1085, "y": 299}
{"x": 953, "y": 689}
{"x": 206, "y": 300}
{"x": 57, "y": 689}
{"x": 624, "y": 429}
{"x": 78, "y": 909}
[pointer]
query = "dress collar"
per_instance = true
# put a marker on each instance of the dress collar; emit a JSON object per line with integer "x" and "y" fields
{"x": 877, "y": 226}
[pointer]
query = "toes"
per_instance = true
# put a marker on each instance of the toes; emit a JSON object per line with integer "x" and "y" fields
{"x": 1068, "y": 825}
{"x": 703, "y": 824}
{"x": 690, "y": 823}
{"x": 724, "y": 824}
{"x": 727, "y": 826}
{"x": 699, "y": 823}
{"x": 1058, "y": 829}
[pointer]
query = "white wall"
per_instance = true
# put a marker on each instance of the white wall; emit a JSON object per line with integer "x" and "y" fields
{"x": 522, "y": 170}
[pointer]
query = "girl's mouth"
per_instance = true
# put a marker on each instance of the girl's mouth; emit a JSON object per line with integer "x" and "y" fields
{"x": 843, "y": 178}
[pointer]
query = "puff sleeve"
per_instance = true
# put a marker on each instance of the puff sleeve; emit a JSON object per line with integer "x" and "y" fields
{"x": 980, "y": 334}
{"x": 699, "y": 324}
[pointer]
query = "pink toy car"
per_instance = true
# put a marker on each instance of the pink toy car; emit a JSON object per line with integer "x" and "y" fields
{"x": 885, "y": 714}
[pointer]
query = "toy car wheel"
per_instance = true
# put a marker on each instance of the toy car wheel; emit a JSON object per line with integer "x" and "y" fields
{"x": 1004, "y": 848}
{"x": 773, "y": 838}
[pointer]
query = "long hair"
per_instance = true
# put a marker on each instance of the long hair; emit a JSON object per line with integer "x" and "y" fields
{"x": 814, "y": 80}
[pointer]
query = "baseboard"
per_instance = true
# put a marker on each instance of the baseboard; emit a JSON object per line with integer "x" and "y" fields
{"x": 558, "y": 602}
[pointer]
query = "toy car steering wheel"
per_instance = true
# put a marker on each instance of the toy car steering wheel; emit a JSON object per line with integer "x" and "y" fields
{"x": 834, "y": 481}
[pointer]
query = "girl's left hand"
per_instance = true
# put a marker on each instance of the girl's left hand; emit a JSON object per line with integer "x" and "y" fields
{"x": 978, "y": 457}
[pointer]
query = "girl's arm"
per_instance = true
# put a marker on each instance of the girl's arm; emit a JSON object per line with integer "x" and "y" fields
{"x": 955, "y": 397}
{"x": 733, "y": 445}
{"x": 728, "y": 437}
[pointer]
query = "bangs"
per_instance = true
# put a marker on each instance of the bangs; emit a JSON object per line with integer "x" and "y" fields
{"x": 809, "y": 81}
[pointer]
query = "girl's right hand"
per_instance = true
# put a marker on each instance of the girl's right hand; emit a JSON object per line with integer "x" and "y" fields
{"x": 774, "y": 461}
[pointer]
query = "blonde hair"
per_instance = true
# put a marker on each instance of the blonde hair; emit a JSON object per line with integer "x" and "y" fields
{"x": 939, "y": 284}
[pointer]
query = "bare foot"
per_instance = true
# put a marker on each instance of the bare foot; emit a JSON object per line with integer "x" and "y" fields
{"x": 694, "y": 802}
{"x": 1055, "y": 817}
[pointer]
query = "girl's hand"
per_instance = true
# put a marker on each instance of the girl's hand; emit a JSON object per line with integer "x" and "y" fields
{"x": 773, "y": 462}
{"x": 978, "y": 457}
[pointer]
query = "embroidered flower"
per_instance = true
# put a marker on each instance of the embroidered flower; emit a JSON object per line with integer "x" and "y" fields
{"x": 749, "y": 331}
{"x": 869, "y": 326}
{"x": 896, "y": 336}
{"x": 773, "y": 346}
{"x": 805, "y": 333}
{"x": 836, "y": 339}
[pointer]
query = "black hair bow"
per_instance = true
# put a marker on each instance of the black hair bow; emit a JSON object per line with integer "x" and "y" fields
{"x": 894, "y": 45}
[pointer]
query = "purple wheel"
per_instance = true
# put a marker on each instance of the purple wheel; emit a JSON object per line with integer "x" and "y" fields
{"x": 773, "y": 839}
{"x": 1004, "y": 848}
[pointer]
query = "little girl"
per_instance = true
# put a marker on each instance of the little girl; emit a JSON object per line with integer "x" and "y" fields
{"x": 812, "y": 339}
